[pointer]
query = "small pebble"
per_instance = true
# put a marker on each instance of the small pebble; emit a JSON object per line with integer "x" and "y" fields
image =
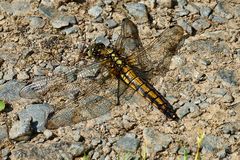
{"x": 95, "y": 11}
{"x": 47, "y": 133}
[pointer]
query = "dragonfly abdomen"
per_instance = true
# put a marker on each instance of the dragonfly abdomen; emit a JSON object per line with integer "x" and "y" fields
{"x": 146, "y": 90}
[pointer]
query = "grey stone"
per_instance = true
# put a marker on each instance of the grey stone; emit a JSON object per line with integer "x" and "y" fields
{"x": 221, "y": 10}
{"x": 10, "y": 91}
{"x": 108, "y": 1}
{"x": 201, "y": 24}
{"x": 63, "y": 21}
{"x": 3, "y": 132}
{"x": 111, "y": 23}
{"x": 218, "y": 92}
{"x": 95, "y": 142}
{"x": 37, "y": 71}
{"x": 206, "y": 46}
{"x": 185, "y": 26}
{"x": 5, "y": 152}
{"x": 177, "y": 61}
{"x": 21, "y": 7}
{"x": 56, "y": 151}
{"x": 217, "y": 19}
{"x": 205, "y": 11}
{"x": 70, "y": 30}
{"x": 228, "y": 128}
{"x": 166, "y": 3}
{"x": 76, "y": 149}
{"x": 76, "y": 135}
{"x": 198, "y": 76}
{"x": 22, "y": 75}
{"x": 36, "y": 22}
{"x": 128, "y": 143}
{"x": 204, "y": 105}
{"x": 183, "y": 150}
{"x": 192, "y": 8}
{"x": 205, "y": 62}
{"x": 186, "y": 108}
{"x": 6, "y": 7}
{"x": 95, "y": 11}
{"x": 212, "y": 143}
{"x": 227, "y": 98}
{"x": 182, "y": 12}
{"x": 47, "y": 11}
{"x": 155, "y": 141}
{"x": 47, "y": 133}
{"x": 222, "y": 154}
{"x": 21, "y": 130}
{"x": 96, "y": 155}
{"x": 9, "y": 74}
{"x": 103, "y": 39}
{"x": 228, "y": 76}
{"x": 138, "y": 11}
{"x": 39, "y": 115}
{"x": 182, "y": 3}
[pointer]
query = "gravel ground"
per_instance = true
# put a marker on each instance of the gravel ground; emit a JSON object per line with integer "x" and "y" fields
{"x": 40, "y": 38}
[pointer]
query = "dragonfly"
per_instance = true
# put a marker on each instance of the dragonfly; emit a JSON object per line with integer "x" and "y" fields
{"x": 88, "y": 91}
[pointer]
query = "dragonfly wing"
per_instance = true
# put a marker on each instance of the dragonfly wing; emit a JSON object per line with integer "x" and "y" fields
{"x": 88, "y": 108}
{"x": 130, "y": 44}
{"x": 161, "y": 50}
{"x": 155, "y": 56}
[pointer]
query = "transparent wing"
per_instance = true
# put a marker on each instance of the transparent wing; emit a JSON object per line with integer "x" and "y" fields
{"x": 130, "y": 44}
{"x": 74, "y": 99}
{"x": 156, "y": 55}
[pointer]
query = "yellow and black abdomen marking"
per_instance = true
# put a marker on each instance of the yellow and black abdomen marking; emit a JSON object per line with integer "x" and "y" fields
{"x": 147, "y": 90}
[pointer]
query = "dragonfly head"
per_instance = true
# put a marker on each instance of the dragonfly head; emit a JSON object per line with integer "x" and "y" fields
{"x": 99, "y": 51}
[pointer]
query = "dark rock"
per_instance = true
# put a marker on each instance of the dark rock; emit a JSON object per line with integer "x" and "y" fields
{"x": 39, "y": 115}
{"x": 128, "y": 143}
{"x": 201, "y": 24}
{"x": 10, "y": 91}
{"x": 138, "y": 11}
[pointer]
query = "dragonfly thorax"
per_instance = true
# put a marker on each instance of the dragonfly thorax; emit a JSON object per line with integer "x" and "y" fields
{"x": 100, "y": 52}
